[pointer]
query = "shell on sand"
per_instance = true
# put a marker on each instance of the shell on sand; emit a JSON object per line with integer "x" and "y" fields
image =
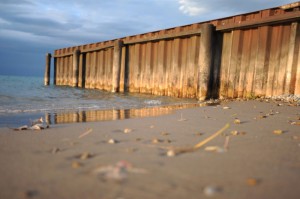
{"x": 112, "y": 141}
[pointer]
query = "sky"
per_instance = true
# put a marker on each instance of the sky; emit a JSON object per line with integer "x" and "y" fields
{"x": 31, "y": 28}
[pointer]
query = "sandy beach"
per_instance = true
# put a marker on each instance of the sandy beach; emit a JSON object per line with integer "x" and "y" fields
{"x": 256, "y": 157}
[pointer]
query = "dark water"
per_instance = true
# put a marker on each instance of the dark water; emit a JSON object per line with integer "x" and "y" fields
{"x": 26, "y": 98}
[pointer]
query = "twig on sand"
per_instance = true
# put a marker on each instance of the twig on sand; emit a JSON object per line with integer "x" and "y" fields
{"x": 226, "y": 144}
{"x": 176, "y": 151}
{"x": 85, "y": 133}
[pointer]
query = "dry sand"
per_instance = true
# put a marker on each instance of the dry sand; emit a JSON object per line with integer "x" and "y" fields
{"x": 255, "y": 163}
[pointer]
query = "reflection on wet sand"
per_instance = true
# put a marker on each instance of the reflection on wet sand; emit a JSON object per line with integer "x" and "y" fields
{"x": 114, "y": 114}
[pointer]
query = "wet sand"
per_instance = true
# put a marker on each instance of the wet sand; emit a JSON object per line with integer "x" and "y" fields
{"x": 248, "y": 159}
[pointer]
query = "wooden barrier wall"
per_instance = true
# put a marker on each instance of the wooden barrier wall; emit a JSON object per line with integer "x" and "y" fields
{"x": 261, "y": 61}
{"x": 249, "y": 55}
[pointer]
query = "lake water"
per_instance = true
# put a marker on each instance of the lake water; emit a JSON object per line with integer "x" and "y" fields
{"x": 26, "y": 98}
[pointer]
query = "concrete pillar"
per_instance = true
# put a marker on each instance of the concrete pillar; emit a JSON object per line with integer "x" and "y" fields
{"x": 205, "y": 60}
{"x": 47, "y": 69}
{"x": 117, "y": 65}
{"x": 75, "y": 68}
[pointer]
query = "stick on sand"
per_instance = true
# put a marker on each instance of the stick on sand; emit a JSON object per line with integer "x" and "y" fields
{"x": 173, "y": 152}
{"x": 85, "y": 133}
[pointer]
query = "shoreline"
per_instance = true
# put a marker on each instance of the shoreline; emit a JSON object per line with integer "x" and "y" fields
{"x": 248, "y": 160}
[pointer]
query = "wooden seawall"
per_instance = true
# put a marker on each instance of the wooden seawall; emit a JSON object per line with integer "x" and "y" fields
{"x": 249, "y": 55}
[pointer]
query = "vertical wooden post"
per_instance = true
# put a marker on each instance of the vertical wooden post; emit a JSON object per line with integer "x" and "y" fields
{"x": 75, "y": 68}
{"x": 47, "y": 69}
{"x": 54, "y": 70}
{"x": 117, "y": 60}
{"x": 205, "y": 60}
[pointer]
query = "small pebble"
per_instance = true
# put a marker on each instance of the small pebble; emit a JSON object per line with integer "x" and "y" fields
{"x": 171, "y": 153}
{"x": 226, "y": 107}
{"x": 211, "y": 191}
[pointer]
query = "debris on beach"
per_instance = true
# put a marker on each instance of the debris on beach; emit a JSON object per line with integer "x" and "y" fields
{"x": 112, "y": 141}
{"x": 252, "y": 181}
{"x": 212, "y": 191}
{"x": 37, "y": 121}
{"x": 37, "y": 124}
{"x": 117, "y": 172}
{"x": 85, "y": 133}
{"x": 156, "y": 140}
{"x": 226, "y": 143}
{"x": 235, "y": 133}
{"x": 237, "y": 121}
{"x": 214, "y": 149}
{"x": 85, "y": 155}
{"x": 198, "y": 134}
{"x": 226, "y": 107}
{"x": 172, "y": 151}
{"x": 295, "y": 123}
{"x": 127, "y": 130}
{"x": 261, "y": 117}
{"x": 76, "y": 165}
{"x": 278, "y": 132}
{"x": 24, "y": 127}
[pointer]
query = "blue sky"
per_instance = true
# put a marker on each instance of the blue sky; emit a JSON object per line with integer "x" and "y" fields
{"x": 31, "y": 28}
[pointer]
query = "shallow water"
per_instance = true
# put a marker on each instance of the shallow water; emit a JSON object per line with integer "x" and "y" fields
{"x": 26, "y": 98}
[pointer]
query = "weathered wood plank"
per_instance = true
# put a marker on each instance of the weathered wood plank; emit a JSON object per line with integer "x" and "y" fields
{"x": 225, "y": 64}
{"x": 262, "y": 61}
{"x": 291, "y": 56}
{"x": 249, "y": 84}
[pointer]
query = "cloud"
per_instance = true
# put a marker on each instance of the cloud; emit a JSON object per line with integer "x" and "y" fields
{"x": 31, "y": 28}
{"x": 223, "y": 8}
{"x": 191, "y": 7}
